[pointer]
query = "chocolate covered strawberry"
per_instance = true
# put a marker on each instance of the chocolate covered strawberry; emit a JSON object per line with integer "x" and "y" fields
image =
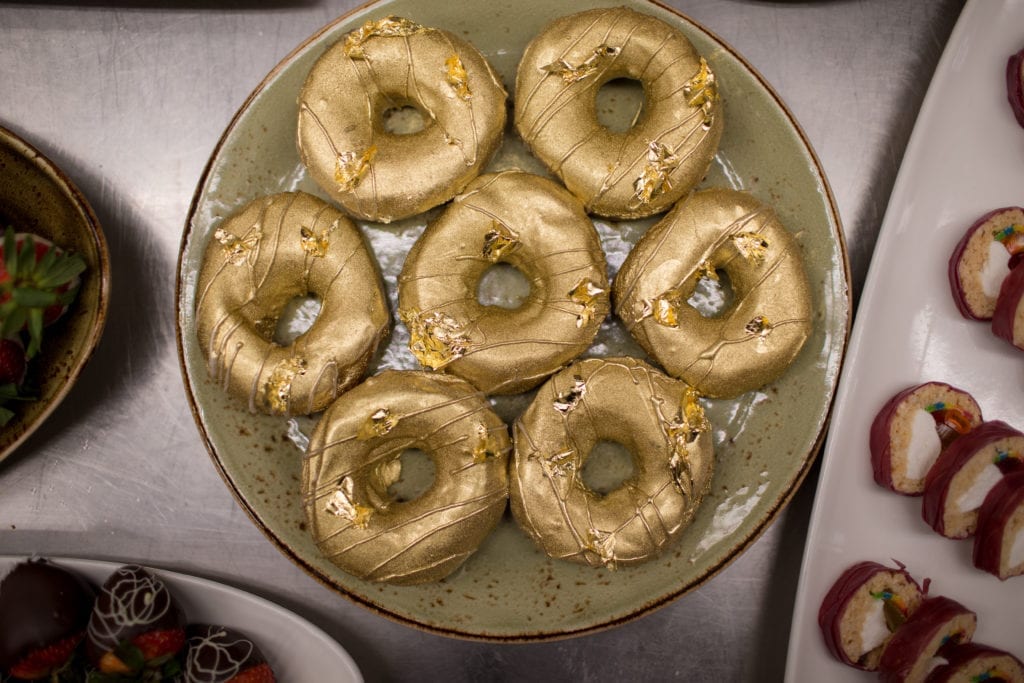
{"x": 217, "y": 654}
{"x": 136, "y": 626}
{"x": 38, "y": 281}
{"x": 44, "y": 609}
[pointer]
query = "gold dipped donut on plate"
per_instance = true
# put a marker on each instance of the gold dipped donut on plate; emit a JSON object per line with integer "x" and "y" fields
{"x": 538, "y": 228}
{"x": 354, "y": 457}
{"x": 659, "y": 420}
{"x": 386, "y": 67}
{"x": 665, "y": 153}
{"x": 754, "y": 337}
{"x": 270, "y": 252}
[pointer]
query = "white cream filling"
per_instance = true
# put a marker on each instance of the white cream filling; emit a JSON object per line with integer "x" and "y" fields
{"x": 972, "y": 498}
{"x": 924, "y": 445}
{"x": 995, "y": 270}
{"x": 1017, "y": 549}
{"x": 873, "y": 632}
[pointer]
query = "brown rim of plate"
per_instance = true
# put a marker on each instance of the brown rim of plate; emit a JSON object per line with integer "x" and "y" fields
{"x": 643, "y": 610}
{"x": 101, "y": 270}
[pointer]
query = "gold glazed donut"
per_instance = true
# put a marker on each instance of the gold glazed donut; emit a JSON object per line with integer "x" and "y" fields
{"x": 657, "y": 418}
{"x": 534, "y": 225}
{"x": 353, "y": 457}
{"x": 755, "y": 338}
{"x": 645, "y": 169}
{"x": 274, "y": 249}
{"x": 387, "y": 64}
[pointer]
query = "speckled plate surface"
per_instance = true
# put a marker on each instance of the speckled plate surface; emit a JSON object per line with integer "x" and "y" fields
{"x": 36, "y": 196}
{"x": 765, "y": 440}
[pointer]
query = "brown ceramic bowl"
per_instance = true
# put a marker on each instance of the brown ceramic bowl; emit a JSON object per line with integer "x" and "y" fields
{"x": 36, "y": 197}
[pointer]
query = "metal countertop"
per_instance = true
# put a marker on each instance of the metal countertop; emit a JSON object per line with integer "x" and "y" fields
{"x": 129, "y": 98}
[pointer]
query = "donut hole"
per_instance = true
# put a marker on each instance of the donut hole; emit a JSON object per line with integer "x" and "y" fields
{"x": 713, "y": 295}
{"x": 415, "y": 477}
{"x": 503, "y": 285}
{"x": 607, "y": 467}
{"x": 619, "y": 104}
{"x": 297, "y": 316}
{"x": 403, "y": 119}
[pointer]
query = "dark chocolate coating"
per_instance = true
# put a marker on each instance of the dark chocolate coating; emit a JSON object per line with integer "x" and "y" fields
{"x": 216, "y": 654}
{"x": 40, "y": 604}
{"x": 132, "y": 602}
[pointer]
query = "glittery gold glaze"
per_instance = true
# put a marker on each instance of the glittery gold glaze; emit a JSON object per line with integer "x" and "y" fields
{"x": 645, "y": 169}
{"x": 391, "y": 63}
{"x": 659, "y": 420}
{"x": 346, "y": 472}
{"x": 549, "y": 239}
{"x": 272, "y": 250}
{"x": 755, "y": 338}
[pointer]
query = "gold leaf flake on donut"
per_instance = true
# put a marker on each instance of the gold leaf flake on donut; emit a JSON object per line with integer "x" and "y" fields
{"x": 761, "y": 327}
{"x": 388, "y": 27}
{"x": 701, "y": 91}
{"x": 315, "y": 242}
{"x": 457, "y": 77}
{"x": 566, "y": 403}
{"x": 654, "y": 178}
{"x": 498, "y": 241}
{"x": 752, "y": 246}
{"x": 278, "y": 389}
{"x": 378, "y": 424}
{"x": 341, "y": 503}
{"x": 573, "y": 73}
{"x": 602, "y": 544}
{"x": 485, "y": 446}
{"x": 665, "y": 307}
{"x": 237, "y": 250}
{"x": 682, "y": 431}
{"x": 436, "y": 339}
{"x": 350, "y": 167}
{"x": 557, "y": 465}
{"x": 585, "y": 294}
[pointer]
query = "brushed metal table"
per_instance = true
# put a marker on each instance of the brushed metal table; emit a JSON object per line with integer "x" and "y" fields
{"x": 130, "y": 96}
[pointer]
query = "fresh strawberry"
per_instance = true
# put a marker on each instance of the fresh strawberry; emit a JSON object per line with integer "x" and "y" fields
{"x": 261, "y": 673}
{"x": 44, "y": 661}
{"x": 157, "y": 646}
{"x": 38, "y": 281}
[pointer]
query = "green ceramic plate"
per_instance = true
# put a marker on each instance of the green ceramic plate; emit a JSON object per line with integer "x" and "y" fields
{"x": 765, "y": 440}
{"x": 35, "y": 196}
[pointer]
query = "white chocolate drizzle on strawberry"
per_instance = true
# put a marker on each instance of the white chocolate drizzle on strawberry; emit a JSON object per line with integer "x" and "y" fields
{"x": 213, "y": 657}
{"x": 131, "y": 600}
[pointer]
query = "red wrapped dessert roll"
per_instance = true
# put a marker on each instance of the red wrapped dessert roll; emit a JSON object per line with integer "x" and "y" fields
{"x": 982, "y": 260}
{"x": 938, "y": 624}
{"x": 865, "y": 605}
{"x": 999, "y": 540}
{"x": 1008, "y": 317}
{"x": 913, "y": 427}
{"x": 965, "y": 472}
{"x": 1015, "y": 85}
{"x": 974, "y": 663}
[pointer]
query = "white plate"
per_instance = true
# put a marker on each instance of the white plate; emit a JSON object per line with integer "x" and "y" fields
{"x": 966, "y": 156}
{"x": 295, "y": 649}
